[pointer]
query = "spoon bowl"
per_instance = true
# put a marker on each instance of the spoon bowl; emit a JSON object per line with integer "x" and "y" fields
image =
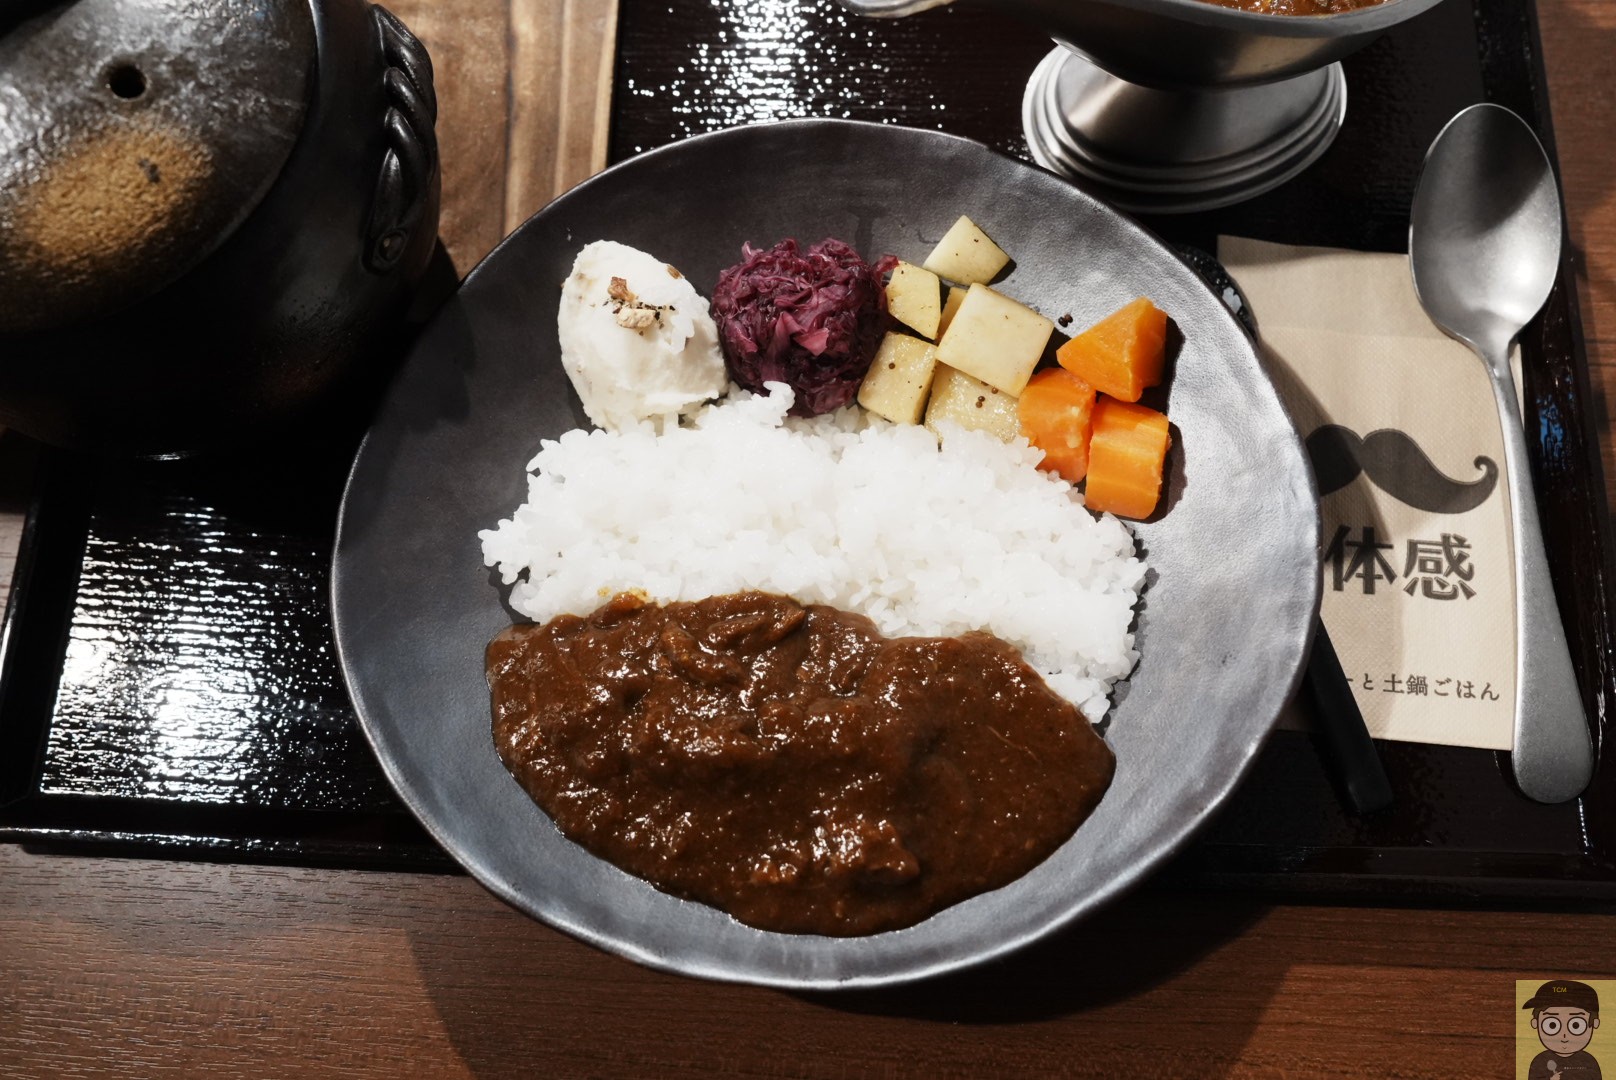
{"x": 1485, "y": 233}
{"x": 1484, "y": 246}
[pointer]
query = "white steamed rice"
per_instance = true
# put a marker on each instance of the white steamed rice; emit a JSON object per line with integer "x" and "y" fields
{"x": 860, "y": 514}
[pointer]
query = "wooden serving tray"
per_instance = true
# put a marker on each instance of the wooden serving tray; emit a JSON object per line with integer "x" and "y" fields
{"x": 167, "y": 680}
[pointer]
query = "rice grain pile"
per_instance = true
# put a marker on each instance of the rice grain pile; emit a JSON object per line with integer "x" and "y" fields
{"x": 860, "y": 514}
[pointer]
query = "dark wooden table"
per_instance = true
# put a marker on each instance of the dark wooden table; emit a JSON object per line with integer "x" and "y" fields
{"x": 148, "y": 968}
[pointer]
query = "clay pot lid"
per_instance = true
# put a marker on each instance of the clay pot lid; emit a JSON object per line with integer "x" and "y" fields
{"x": 135, "y": 135}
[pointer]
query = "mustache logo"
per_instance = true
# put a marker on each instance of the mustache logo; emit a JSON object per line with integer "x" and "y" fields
{"x": 1394, "y": 462}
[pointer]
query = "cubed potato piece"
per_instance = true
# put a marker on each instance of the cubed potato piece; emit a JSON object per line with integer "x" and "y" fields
{"x": 971, "y": 403}
{"x": 966, "y": 255}
{"x": 996, "y": 339}
{"x": 956, "y": 297}
{"x": 914, "y": 297}
{"x": 899, "y": 378}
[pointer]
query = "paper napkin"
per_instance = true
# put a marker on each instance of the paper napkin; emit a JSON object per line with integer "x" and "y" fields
{"x": 1403, "y": 430}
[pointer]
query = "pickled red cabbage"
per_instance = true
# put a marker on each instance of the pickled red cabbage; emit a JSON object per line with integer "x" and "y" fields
{"x": 812, "y": 320}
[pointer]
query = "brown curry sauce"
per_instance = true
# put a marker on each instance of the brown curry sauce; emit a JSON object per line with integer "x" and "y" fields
{"x": 789, "y": 765}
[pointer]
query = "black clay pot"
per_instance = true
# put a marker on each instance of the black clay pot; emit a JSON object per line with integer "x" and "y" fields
{"x": 213, "y": 215}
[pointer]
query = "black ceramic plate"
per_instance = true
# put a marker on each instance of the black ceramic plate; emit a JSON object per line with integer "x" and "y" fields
{"x": 1223, "y": 628}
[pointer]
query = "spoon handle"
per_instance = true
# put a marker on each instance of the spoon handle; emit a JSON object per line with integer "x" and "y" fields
{"x": 1553, "y": 758}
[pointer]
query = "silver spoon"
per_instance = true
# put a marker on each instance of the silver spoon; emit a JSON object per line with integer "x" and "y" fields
{"x": 1484, "y": 243}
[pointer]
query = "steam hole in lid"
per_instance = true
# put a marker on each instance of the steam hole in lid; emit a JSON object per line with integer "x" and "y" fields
{"x": 127, "y": 81}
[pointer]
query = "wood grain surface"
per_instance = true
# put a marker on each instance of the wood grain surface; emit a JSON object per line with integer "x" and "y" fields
{"x": 1576, "y": 33}
{"x": 144, "y": 968}
{"x": 524, "y": 98}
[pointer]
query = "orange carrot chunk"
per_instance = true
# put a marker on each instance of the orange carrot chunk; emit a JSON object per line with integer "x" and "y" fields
{"x": 1122, "y": 353}
{"x": 1126, "y": 453}
{"x": 1055, "y": 409}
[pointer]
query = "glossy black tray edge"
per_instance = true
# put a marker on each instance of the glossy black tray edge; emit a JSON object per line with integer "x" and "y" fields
{"x": 33, "y": 639}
